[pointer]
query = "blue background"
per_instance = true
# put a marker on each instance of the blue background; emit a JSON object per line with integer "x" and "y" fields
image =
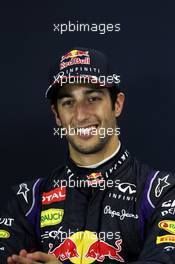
{"x": 144, "y": 52}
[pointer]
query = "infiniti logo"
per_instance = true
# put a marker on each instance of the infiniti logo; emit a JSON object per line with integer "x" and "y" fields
{"x": 126, "y": 187}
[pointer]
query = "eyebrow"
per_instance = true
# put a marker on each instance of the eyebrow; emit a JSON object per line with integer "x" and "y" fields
{"x": 94, "y": 90}
{"x": 88, "y": 91}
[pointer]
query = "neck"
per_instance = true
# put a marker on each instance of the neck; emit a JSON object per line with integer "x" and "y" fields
{"x": 89, "y": 159}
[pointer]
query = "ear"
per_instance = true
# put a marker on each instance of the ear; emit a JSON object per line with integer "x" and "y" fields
{"x": 119, "y": 104}
{"x": 57, "y": 119}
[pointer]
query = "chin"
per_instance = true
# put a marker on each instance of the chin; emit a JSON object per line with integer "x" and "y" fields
{"x": 90, "y": 148}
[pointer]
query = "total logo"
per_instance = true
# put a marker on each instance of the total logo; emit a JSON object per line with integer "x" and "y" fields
{"x": 56, "y": 195}
{"x": 167, "y": 225}
{"x": 51, "y": 217}
{"x": 84, "y": 247}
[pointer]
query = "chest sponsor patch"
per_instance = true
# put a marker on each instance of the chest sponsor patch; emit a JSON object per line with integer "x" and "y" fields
{"x": 6, "y": 221}
{"x": 167, "y": 225}
{"x": 169, "y": 203}
{"x": 169, "y": 248}
{"x": 165, "y": 239}
{"x": 51, "y": 217}
{"x": 4, "y": 234}
{"x": 56, "y": 195}
{"x": 122, "y": 214}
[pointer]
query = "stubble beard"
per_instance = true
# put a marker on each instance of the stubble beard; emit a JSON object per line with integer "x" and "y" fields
{"x": 92, "y": 148}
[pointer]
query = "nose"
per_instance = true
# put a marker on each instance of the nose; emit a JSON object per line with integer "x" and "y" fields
{"x": 81, "y": 112}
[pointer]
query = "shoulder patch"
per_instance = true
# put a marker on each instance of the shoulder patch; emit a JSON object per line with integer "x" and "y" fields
{"x": 25, "y": 194}
{"x": 159, "y": 184}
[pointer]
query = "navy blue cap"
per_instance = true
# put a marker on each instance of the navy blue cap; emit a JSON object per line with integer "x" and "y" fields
{"x": 79, "y": 65}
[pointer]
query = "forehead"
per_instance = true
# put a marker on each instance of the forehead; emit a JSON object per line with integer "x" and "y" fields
{"x": 79, "y": 89}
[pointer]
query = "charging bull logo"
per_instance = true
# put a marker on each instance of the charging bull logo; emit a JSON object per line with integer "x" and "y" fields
{"x": 100, "y": 249}
{"x": 84, "y": 247}
{"x": 94, "y": 176}
{"x": 75, "y": 57}
{"x": 65, "y": 250}
{"x": 74, "y": 54}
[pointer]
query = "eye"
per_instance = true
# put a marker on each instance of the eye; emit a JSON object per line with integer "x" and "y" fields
{"x": 94, "y": 99}
{"x": 68, "y": 102}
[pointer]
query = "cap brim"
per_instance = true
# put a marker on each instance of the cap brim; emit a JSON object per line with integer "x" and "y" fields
{"x": 50, "y": 92}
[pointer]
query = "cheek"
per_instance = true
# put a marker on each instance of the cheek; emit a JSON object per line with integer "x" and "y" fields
{"x": 109, "y": 118}
{"x": 65, "y": 118}
{"x": 106, "y": 112}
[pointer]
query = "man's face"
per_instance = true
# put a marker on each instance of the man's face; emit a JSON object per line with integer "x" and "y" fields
{"x": 87, "y": 110}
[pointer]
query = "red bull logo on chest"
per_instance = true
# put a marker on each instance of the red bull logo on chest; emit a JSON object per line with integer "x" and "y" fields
{"x": 84, "y": 247}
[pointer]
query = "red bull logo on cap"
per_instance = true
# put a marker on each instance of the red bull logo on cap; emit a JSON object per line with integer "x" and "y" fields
{"x": 84, "y": 247}
{"x": 74, "y": 54}
{"x": 75, "y": 57}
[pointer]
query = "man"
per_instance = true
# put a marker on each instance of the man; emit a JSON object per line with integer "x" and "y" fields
{"x": 102, "y": 205}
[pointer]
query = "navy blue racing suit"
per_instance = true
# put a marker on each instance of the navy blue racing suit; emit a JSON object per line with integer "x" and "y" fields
{"x": 120, "y": 212}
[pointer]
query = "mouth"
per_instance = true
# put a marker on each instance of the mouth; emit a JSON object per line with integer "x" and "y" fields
{"x": 87, "y": 131}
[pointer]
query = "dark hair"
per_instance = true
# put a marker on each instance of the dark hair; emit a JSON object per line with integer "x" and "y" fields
{"x": 113, "y": 92}
{"x": 53, "y": 100}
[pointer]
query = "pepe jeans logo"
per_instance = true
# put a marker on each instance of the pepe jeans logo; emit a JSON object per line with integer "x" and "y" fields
{"x": 120, "y": 214}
